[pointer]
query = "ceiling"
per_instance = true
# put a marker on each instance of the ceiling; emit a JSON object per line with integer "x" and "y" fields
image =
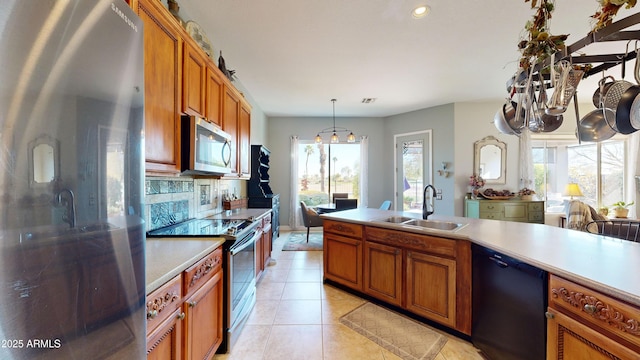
{"x": 294, "y": 56}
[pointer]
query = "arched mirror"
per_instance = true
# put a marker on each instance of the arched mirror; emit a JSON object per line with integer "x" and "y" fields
{"x": 490, "y": 160}
{"x": 44, "y": 161}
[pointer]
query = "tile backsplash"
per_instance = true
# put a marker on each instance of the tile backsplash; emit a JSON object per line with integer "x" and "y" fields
{"x": 171, "y": 200}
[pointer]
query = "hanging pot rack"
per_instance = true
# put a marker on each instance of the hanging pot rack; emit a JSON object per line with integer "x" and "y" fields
{"x": 617, "y": 31}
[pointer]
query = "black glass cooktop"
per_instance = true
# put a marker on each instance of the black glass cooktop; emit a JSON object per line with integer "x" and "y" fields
{"x": 197, "y": 227}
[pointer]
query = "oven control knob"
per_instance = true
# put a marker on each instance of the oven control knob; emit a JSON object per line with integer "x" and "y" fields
{"x": 232, "y": 230}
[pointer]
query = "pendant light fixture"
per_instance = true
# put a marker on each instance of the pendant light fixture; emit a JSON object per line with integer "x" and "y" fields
{"x": 334, "y": 139}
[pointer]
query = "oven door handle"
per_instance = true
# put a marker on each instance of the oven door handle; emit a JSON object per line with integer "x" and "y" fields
{"x": 235, "y": 250}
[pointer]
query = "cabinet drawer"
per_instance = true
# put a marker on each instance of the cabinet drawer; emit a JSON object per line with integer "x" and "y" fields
{"x": 489, "y": 206}
{"x": 196, "y": 275}
{"x": 537, "y": 216}
{"x": 425, "y": 243}
{"x": 594, "y": 308}
{"x": 536, "y": 206}
{"x": 341, "y": 228}
{"x": 491, "y": 215}
{"x": 163, "y": 302}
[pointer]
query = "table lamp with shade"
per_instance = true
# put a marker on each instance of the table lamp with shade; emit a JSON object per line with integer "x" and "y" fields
{"x": 571, "y": 190}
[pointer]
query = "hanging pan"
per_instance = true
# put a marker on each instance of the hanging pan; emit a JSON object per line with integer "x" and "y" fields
{"x": 623, "y": 110}
{"x": 594, "y": 126}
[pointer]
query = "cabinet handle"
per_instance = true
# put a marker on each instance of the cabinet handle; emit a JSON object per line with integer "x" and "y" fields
{"x": 181, "y": 316}
{"x": 192, "y": 303}
{"x": 152, "y": 314}
{"x": 549, "y": 315}
{"x": 590, "y": 309}
{"x": 397, "y": 251}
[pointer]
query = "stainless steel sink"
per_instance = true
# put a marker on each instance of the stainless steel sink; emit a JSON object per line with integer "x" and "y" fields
{"x": 427, "y": 224}
{"x": 397, "y": 219}
{"x": 434, "y": 224}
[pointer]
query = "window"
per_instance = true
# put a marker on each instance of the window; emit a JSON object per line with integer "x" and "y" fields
{"x": 324, "y": 169}
{"x": 598, "y": 168}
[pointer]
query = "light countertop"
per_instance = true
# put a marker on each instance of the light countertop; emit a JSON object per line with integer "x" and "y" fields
{"x": 168, "y": 257}
{"x": 606, "y": 264}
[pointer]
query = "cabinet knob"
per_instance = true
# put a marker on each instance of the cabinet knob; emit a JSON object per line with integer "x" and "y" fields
{"x": 549, "y": 315}
{"x": 181, "y": 316}
{"x": 590, "y": 309}
{"x": 192, "y": 303}
{"x": 152, "y": 314}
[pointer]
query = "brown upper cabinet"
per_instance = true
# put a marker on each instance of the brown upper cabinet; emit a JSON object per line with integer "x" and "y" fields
{"x": 244, "y": 141}
{"x": 181, "y": 79}
{"x": 194, "y": 73}
{"x": 213, "y": 101}
{"x": 163, "y": 71}
{"x": 231, "y": 111}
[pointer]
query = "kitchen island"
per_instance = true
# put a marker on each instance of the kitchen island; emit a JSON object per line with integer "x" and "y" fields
{"x": 592, "y": 278}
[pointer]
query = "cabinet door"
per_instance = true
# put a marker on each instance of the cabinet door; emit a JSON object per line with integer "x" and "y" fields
{"x": 213, "y": 98}
{"x": 569, "y": 339}
{"x": 383, "y": 272}
{"x": 230, "y": 109}
{"x": 204, "y": 320}
{"x": 516, "y": 212}
{"x": 258, "y": 255}
{"x": 162, "y": 71}
{"x": 193, "y": 80}
{"x": 266, "y": 243}
{"x": 431, "y": 287}
{"x": 165, "y": 342}
{"x": 343, "y": 260}
{"x": 244, "y": 138}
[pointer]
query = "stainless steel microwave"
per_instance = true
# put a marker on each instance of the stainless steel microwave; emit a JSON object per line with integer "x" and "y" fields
{"x": 206, "y": 149}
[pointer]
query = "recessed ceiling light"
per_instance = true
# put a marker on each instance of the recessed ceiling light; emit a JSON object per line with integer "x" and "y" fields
{"x": 420, "y": 11}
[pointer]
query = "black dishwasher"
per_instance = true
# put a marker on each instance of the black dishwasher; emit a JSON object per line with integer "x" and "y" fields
{"x": 509, "y": 304}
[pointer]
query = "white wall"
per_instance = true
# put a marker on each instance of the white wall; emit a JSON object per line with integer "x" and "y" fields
{"x": 440, "y": 120}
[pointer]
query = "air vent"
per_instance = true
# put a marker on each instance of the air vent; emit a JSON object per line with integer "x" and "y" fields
{"x": 368, "y": 100}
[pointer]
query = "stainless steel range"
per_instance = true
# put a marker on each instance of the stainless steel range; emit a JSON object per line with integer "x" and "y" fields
{"x": 239, "y": 265}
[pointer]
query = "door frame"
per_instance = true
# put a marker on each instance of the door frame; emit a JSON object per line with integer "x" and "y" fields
{"x": 427, "y": 175}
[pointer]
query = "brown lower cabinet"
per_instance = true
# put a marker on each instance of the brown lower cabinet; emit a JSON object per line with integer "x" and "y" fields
{"x": 342, "y": 245}
{"x": 585, "y": 324}
{"x": 184, "y": 316}
{"x": 425, "y": 275}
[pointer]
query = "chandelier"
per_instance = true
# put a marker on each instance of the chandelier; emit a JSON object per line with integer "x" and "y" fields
{"x": 351, "y": 138}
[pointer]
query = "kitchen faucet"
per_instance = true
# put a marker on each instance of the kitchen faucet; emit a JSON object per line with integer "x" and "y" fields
{"x": 425, "y": 213}
{"x": 70, "y": 216}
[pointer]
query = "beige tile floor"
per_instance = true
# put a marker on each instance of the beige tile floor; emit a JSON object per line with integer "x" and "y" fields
{"x": 297, "y": 317}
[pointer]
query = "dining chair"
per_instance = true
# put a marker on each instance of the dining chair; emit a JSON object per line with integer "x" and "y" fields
{"x": 386, "y": 205}
{"x": 309, "y": 218}
{"x": 346, "y": 204}
{"x": 621, "y": 229}
{"x": 339, "y": 196}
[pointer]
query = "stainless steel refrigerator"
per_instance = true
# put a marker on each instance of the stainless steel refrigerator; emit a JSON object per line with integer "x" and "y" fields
{"x": 71, "y": 180}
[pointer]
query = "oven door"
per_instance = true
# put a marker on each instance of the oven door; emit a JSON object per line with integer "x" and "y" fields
{"x": 241, "y": 279}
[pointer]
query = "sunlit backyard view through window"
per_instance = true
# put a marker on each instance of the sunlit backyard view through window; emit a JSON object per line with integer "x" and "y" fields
{"x": 324, "y": 169}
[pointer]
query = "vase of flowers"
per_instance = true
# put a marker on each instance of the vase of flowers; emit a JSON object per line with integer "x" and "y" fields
{"x": 526, "y": 194}
{"x": 476, "y": 182}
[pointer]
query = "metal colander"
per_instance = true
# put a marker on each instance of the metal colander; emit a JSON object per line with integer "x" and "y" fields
{"x": 611, "y": 99}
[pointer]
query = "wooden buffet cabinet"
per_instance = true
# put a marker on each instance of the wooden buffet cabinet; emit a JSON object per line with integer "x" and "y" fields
{"x": 180, "y": 79}
{"x": 184, "y": 316}
{"x": 422, "y": 274}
